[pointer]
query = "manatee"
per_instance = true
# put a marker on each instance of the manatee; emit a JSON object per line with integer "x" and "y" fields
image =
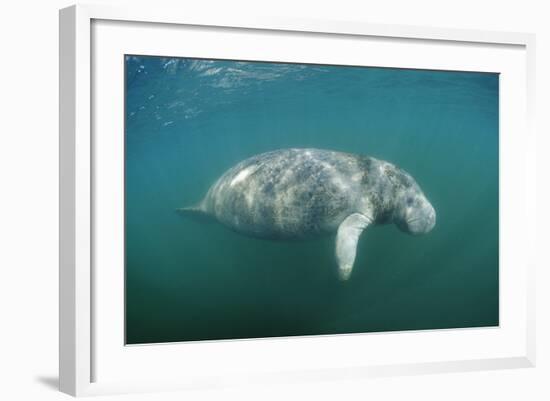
{"x": 291, "y": 194}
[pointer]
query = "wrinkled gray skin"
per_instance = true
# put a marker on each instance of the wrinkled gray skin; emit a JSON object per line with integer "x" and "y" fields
{"x": 304, "y": 193}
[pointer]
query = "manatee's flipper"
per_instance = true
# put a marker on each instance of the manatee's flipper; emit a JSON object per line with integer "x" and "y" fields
{"x": 346, "y": 242}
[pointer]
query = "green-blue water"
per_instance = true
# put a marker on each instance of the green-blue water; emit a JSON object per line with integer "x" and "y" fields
{"x": 188, "y": 121}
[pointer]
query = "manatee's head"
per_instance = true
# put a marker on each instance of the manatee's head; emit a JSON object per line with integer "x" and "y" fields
{"x": 413, "y": 213}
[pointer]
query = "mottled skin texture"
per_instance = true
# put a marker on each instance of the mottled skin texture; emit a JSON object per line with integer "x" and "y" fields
{"x": 304, "y": 193}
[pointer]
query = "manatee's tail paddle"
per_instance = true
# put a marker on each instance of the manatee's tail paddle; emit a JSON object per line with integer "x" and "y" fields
{"x": 189, "y": 210}
{"x": 196, "y": 212}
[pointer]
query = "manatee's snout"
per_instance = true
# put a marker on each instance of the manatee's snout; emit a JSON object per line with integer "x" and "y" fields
{"x": 431, "y": 219}
{"x": 415, "y": 214}
{"x": 423, "y": 221}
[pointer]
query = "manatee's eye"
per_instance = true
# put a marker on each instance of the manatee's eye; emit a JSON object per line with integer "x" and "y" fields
{"x": 410, "y": 201}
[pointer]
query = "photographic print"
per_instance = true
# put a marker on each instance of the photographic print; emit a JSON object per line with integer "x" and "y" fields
{"x": 275, "y": 199}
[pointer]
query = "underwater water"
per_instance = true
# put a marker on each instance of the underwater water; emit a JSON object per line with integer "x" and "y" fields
{"x": 189, "y": 120}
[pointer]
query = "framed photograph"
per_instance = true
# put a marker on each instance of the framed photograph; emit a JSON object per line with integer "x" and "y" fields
{"x": 272, "y": 200}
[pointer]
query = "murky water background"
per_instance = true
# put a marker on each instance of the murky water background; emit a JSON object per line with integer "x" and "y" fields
{"x": 188, "y": 121}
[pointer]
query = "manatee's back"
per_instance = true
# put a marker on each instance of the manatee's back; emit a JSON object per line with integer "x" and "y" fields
{"x": 288, "y": 193}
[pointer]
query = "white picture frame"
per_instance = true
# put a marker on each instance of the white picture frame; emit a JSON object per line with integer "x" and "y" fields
{"x": 80, "y": 349}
